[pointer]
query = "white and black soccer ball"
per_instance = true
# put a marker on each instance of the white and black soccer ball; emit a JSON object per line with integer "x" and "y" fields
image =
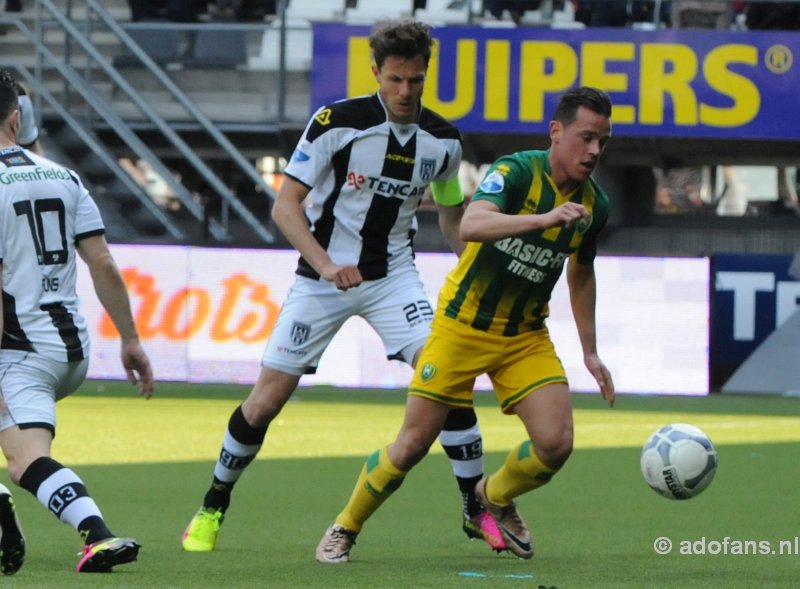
{"x": 679, "y": 461}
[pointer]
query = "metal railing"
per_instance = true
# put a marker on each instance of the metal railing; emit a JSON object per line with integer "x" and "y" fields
{"x": 82, "y": 80}
{"x": 47, "y": 58}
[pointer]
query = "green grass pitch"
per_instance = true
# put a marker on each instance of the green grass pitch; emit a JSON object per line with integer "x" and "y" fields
{"x": 148, "y": 463}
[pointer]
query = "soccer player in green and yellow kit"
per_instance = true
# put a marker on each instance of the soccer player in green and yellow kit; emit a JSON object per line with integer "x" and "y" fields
{"x": 533, "y": 211}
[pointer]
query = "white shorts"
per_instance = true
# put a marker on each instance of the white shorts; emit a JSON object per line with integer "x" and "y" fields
{"x": 314, "y": 311}
{"x": 31, "y": 385}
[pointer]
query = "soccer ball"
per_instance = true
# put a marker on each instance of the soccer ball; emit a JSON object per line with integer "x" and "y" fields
{"x": 679, "y": 461}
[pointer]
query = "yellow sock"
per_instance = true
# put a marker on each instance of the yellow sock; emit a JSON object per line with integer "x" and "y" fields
{"x": 521, "y": 472}
{"x": 379, "y": 478}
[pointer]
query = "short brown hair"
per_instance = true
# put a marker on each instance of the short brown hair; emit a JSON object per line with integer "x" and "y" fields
{"x": 404, "y": 38}
{"x": 592, "y": 98}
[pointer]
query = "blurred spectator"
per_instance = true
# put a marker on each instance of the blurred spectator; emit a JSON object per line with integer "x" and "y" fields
{"x": 10, "y": 6}
{"x": 147, "y": 9}
{"x": 175, "y": 10}
{"x": 602, "y": 13}
{"x": 619, "y": 13}
{"x": 190, "y": 11}
{"x": 186, "y": 10}
{"x": 773, "y": 16}
{"x": 515, "y": 8}
{"x": 244, "y": 9}
{"x": 643, "y": 11}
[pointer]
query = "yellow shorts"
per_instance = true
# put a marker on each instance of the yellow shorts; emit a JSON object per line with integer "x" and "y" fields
{"x": 456, "y": 354}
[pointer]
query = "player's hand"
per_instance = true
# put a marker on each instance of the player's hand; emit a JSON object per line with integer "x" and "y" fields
{"x": 137, "y": 367}
{"x": 603, "y": 377}
{"x": 566, "y": 215}
{"x": 343, "y": 276}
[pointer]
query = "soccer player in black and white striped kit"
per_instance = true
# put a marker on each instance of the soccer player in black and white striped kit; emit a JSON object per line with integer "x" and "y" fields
{"x": 348, "y": 205}
{"x": 47, "y": 218}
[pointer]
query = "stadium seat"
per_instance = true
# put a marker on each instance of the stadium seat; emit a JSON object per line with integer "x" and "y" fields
{"x": 370, "y": 11}
{"x": 315, "y": 10}
{"x": 702, "y": 14}
{"x": 565, "y": 18}
{"x": 218, "y": 48}
{"x": 299, "y": 46}
{"x": 161, "y": 45}
{"x": 443, "y": 12}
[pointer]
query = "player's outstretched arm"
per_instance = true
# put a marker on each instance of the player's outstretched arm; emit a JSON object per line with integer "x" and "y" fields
{"x": 113, "y": 295}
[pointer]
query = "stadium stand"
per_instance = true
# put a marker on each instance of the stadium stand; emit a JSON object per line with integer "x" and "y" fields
{"x": 370, "y": 11}
{"x": 217, "y": 48}
{"x": 262, "y": 111}
{"x": 299, "y": 38}
{"x": 322, "y": 10}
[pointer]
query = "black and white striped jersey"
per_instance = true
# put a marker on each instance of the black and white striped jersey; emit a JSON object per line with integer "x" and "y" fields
{"x": 44, "y": 211}
{"x": 367, "y": 176}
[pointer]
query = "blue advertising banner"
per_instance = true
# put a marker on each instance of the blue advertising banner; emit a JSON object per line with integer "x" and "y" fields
{"x": 668, "y": 83}
{"x": 752, "y": 296}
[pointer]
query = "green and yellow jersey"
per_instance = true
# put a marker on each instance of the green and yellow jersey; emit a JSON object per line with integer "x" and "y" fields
{"x": 503, "y": 287}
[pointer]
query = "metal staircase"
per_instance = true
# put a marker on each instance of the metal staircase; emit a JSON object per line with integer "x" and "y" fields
{"x": 64, "y": 46}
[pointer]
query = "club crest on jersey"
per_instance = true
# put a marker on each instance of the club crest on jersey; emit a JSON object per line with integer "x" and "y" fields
{"x": 583, "y": 224}
{"x": 324, "y": 117}
{"x": 493, "y": 183}
{"x": 300, "y": 332}
{"x": 427, "y": 372}
{"x": 426, "y": 169}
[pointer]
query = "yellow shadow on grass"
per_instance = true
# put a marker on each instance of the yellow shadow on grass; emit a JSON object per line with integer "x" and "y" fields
{"x": 113, "y": 430}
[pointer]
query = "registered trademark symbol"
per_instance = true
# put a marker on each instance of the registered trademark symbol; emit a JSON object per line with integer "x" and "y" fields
{"x": 779, "y": 59}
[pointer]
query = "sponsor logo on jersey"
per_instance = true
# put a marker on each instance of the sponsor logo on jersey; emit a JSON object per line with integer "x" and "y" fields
{"x": 537, "y": 255}
{"x": 36, "y": 175}
{"x": 324, "y": 117}
{"x": 299, "y": 333}
{"x": 384, "y": 186}
{"x": 493, "y": 183}
{"x": 300, "y": 156}
{"x": 292, "y": 351}
{"x": 530, "y": 261}
{"x": 427, "y": 167}
{"x": 503, "y": 169}
{"x": 355, "y": 180}
{"x": 396, "y": 157}
{"x": 427, "y": 372}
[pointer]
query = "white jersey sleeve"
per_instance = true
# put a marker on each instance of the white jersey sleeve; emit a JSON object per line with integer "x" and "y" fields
{"x": 311, "y": 161}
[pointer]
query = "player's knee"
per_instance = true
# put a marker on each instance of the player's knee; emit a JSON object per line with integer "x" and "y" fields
{"x": 265, "y": 402}
{"x": 409, "y": 449}
{"x": 554, "y": 449}
{"x": 260, "y": 411}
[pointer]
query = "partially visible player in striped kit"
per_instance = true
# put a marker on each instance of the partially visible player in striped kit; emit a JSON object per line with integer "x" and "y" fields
{"x": 47, "y": 218}
{"x": 360, "y": 169}
{"x": 533, "y": 211}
